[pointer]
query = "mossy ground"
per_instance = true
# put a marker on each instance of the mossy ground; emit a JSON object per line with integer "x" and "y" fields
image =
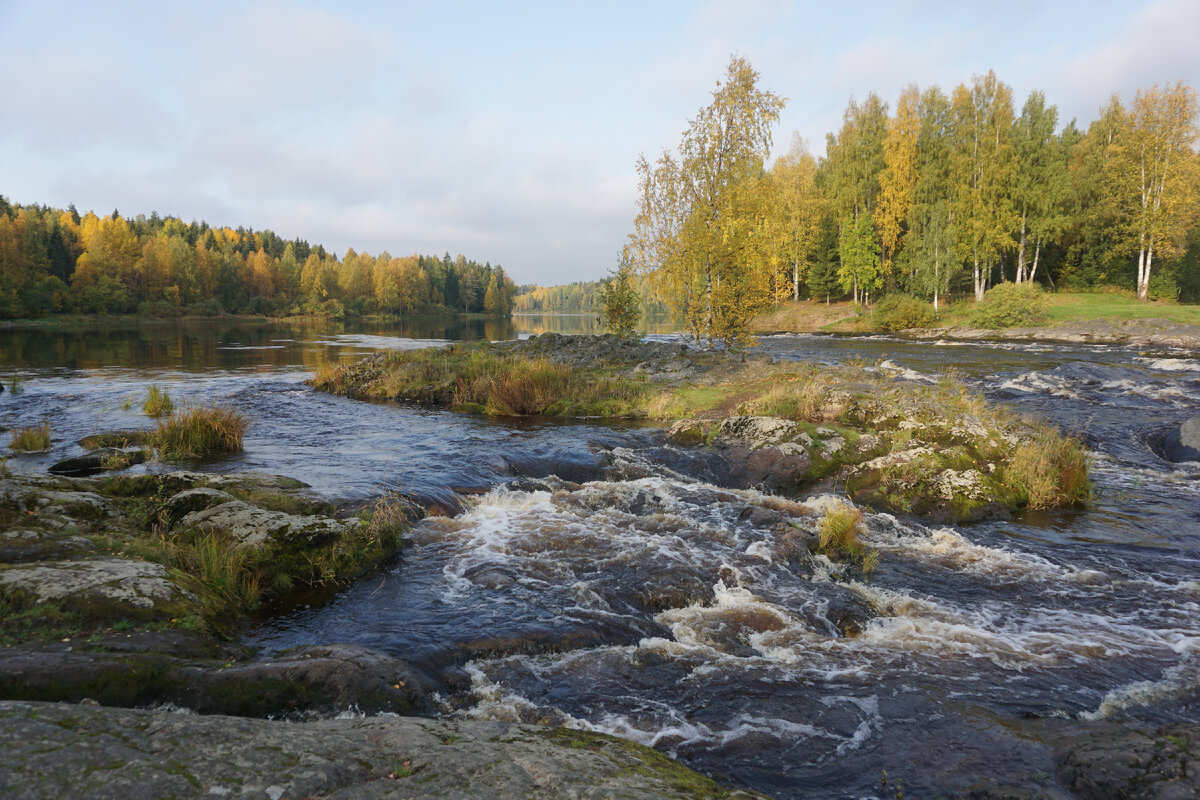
{"x": 981, "y": 455}
{"x": 223, "y": 582}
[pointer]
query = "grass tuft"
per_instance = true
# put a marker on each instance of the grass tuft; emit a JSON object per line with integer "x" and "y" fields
{"x": 32, "y": 439}
{"x": 1051, "y": 470}
{"x": 199, "y": 432}
{"x": 839, "y": 537}
{"x": 158, "y": 402}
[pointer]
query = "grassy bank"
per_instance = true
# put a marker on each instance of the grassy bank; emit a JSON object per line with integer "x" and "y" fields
{"x": 1062, "y": 309}
{"x": 926, "y": 450}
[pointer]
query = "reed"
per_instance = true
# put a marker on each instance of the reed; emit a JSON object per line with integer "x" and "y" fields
{"x": 32, "y": 439}
{"x": 158, "y": 402}
{"x": 199, "y": 432}
{"x": 1051, "y": 470}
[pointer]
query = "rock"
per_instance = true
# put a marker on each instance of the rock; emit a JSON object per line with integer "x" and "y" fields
{"x": 98, "y": 588}
{"x": 1110, "y": 761}
{"x": 192, "y": 500}
{"x": 257, "y": 528}
{"x": 687, "y": 432}
{"x": 26, "y": 545}
{"x": 103, "y": 460}
{"x": 115, "y": 439}
{"x": 85, "y": 751}
{"x": 1183, "y": 443}
{"x": 756, "y": 432}
{"x": 326, "y": 679}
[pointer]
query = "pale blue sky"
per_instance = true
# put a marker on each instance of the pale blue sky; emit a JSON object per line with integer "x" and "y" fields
{"x": 505, "y": 131}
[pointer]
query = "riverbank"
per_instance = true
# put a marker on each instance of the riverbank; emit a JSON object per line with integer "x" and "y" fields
{"x": 934, "y": 451}
{"x": 1088, "y": 318}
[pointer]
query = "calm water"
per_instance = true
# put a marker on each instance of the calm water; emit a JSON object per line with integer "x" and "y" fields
{"x": 981, "y": 640}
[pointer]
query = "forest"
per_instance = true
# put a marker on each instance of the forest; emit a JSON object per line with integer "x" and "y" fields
{"x": 56, "y": 261}
{"x": 948, "y": 195}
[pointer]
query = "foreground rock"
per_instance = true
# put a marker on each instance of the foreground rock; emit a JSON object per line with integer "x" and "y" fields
{"x": 125, "y": 589}
{"x": 49, "y": 750}
{"x": 1109, "y": 761}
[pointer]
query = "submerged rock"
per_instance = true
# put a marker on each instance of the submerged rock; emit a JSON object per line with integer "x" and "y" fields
{"x": 104, "y": 460}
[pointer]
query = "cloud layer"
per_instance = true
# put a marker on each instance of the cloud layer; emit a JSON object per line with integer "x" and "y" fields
{"x": 506, "y": 132}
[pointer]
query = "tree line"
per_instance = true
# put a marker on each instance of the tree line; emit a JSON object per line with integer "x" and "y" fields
{"x": 948, "y": 195}
{"x": 581, "y": 297}
{"x": 54, "y": 260}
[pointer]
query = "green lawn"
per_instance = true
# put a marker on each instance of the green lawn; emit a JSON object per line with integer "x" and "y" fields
{"x": 1066, "y": 306}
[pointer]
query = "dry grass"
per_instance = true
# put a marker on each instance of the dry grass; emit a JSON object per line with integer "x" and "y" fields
{"x": 158, "y": 402}
{"x": 1051, "y": 470}
{"x": 199, "y": 432}
{"x": 802, "y": 399}
{"x": 32, "y": 439}
{"x": 839, "y": 537}
{"x": 227, "y": 578}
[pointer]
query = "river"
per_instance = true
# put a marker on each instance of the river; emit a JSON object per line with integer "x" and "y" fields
{"x": 975, "y": 640}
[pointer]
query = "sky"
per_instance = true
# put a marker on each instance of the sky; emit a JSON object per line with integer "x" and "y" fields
{"x": 507, "y": 132}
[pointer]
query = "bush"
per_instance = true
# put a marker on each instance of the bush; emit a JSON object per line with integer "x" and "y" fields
{"x": 32, "y": 439}
{"x": 899, "y": 312}
{"x": 1010, "y": 305}
{"x": 199, "y": 432}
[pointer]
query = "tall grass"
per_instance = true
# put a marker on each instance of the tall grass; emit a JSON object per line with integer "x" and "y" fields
{"x": 158, "y": 402}
{"x": 838, "y": 537}
{"x": 1051, "y": 470}
{"x": 228, "y": 578}
{"x": 803, "y": 399}
{"x": 32, "y": 439}
{"x": 199, "y": 432}
{"x": 485, "y": 381}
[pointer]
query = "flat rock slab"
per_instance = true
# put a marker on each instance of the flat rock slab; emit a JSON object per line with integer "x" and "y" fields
{"x": 107, "y": 582}
{"x": 85, "y": 751}
{"x": 256, "y": 527}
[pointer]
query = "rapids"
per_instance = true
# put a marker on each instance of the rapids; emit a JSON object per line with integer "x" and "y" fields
{"x": 599, "y": 578}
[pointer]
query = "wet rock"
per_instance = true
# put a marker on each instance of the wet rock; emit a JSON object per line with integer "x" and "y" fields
{"x": 97, "y": 587}
{"x": 657, "y": 593}
{"x": 257, "y": 528}
{"x": 1183, "y": 443}
{"x": 94, "y": 463}
{"x": 84, "y": 751}
{"x": 115, "y": 439}
{"x": 846, "y": 612}
{"x": 688, "y": 432}
{"x": 1125, "y": 762}
{"x": 324, "y": 678}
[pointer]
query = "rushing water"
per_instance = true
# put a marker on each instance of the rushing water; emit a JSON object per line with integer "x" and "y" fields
{"x": 650, "y": 603}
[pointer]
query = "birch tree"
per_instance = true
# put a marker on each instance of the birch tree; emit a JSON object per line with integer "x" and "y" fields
{"x": 700, "y": 225}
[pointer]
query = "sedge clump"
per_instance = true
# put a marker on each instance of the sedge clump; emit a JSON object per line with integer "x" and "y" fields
{"x": 838, "y": 537}
{"x": 32, "y": 439}
{"x": 158, "y": 402}
{"x": 199, "y": 432}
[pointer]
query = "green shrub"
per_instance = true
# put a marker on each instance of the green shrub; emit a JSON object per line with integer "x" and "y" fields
{"x": 32, "y": 439}
{"x": 899, "y": 312}
{"x": 199, "y": 432}
{"x": 1010, "y": 305}
{"x": 158, "y": 402}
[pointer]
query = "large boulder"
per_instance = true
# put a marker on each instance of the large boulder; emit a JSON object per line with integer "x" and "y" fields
{"x": 1183, "y": 443}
